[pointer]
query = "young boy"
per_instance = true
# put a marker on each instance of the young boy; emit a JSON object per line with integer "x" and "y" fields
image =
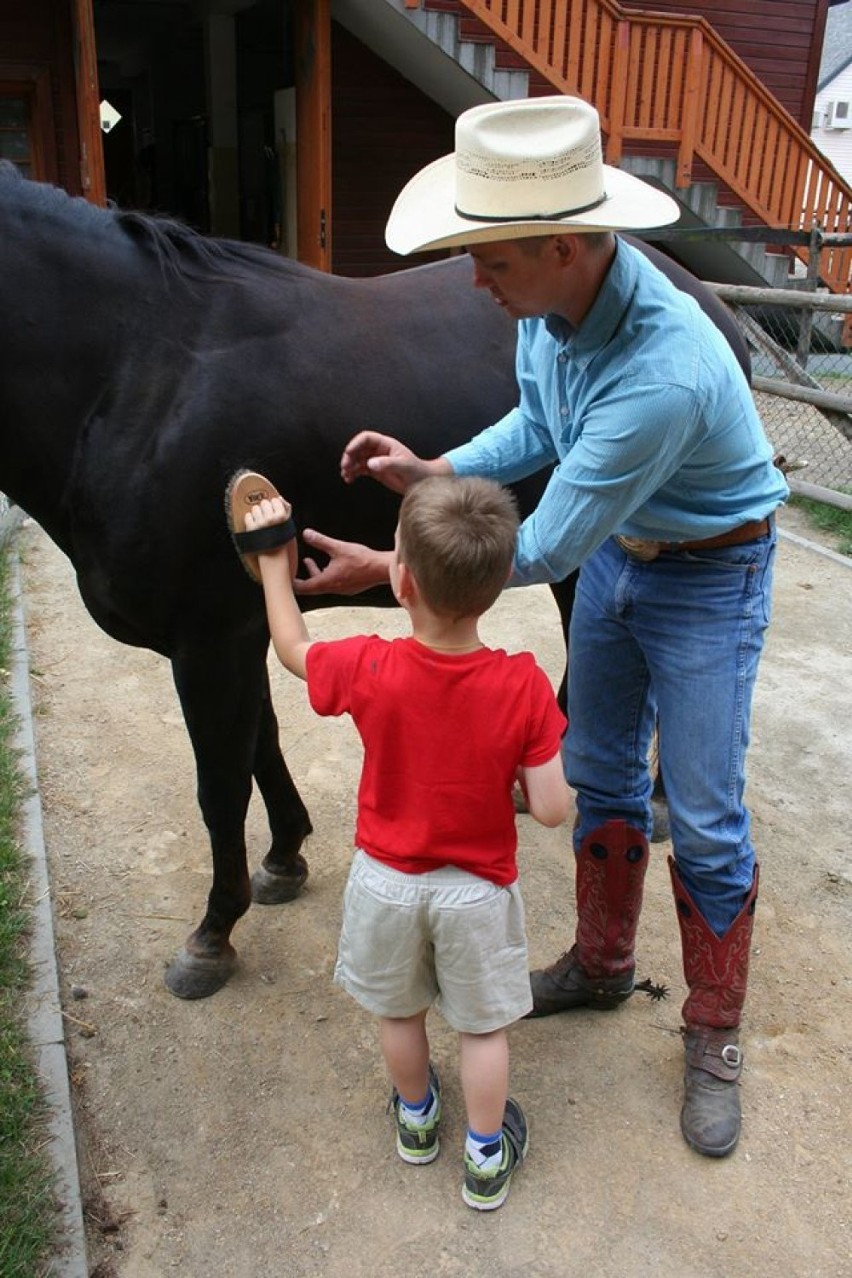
{"x": 432, "y": 911}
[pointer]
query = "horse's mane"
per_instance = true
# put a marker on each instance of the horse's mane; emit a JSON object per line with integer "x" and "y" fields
{"x": 178, "y": 248}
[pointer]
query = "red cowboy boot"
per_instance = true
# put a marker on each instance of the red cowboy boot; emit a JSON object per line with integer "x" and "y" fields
{"x": 598, "y": 969}
{"x": 716, "y": 971}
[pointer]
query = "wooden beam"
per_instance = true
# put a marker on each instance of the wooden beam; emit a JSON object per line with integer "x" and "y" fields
{"x": 744, "y": 295}
{"x": 312, "y": 40}
{"x": 92, "y": 175}
{"x": 617, "y": 86}
{"x": 803, "y": 394}
{"x": 691, "y": 108}
{"x": 800, "y": 488}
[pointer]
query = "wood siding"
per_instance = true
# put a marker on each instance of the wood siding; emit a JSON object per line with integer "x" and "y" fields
{"x": 383, "y": 130}
{"x": 836, "y": 143}
{"x": 780, "y": 40}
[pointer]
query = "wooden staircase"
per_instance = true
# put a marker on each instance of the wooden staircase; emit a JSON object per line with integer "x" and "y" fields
{"x": 671, "y": 87}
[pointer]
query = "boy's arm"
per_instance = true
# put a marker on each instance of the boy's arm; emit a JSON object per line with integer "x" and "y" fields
{"x": 546, "y": 790}
{"x": 290, "y": 637}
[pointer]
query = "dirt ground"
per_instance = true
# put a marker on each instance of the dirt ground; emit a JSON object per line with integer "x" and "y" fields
{"x": 246, "y": 1136}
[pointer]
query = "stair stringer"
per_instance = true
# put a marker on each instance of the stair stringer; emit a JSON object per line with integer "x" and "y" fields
{"x": 425, "y": 46}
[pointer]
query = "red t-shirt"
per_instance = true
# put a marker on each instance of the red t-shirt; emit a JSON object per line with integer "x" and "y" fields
{"x": 443, "y": 735}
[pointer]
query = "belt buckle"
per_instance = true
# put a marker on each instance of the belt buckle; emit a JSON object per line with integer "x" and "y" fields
{"x": 639, "y": 548}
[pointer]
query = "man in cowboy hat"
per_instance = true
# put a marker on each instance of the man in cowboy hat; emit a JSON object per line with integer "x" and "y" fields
{"x": 663, "y": 490}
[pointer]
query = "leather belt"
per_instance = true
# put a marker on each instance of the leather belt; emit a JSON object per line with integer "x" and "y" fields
{"x": 646, "y": 550}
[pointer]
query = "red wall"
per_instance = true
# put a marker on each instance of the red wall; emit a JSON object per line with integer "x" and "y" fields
{"x": 36, "y": 34}
{"x": 383, "y": 130}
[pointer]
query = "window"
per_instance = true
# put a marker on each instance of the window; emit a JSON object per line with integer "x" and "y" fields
{"x": 27, "y": 135}
{"x": 16, "y": 142}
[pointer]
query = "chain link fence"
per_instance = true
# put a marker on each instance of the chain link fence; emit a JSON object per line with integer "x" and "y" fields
{"x": 800, "y": 340}
{"x": 802, "y": 380}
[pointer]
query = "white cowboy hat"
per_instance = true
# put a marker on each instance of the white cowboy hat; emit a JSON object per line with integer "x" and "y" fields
{"x": 521, "y": 168}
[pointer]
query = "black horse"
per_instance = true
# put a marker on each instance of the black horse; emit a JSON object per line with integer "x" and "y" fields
{"x": 140, "y": 366}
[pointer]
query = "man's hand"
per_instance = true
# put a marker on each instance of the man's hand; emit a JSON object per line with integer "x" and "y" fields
{"x": 387, "y": 460}
{"x": 351, "y": 567}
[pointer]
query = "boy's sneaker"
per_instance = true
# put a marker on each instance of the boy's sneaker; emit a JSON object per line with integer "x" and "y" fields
{"x": 418, "y": 1143}
{"x": 485, "y": 1190}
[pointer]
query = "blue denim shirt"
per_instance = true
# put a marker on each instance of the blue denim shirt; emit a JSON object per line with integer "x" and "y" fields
{"x": 648, "y": 417}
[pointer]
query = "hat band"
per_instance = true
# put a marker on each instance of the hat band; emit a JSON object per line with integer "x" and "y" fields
{"x": 531, "y": 217}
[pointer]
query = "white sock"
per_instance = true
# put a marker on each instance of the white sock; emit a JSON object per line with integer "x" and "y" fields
{"x": 422, "y": 1112}
{"x": 485, "y": 1151}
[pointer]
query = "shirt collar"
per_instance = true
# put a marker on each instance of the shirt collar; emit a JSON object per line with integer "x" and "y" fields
{"x": 606, "y": 312}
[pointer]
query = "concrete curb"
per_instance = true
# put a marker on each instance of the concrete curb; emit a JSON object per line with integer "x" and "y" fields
{"x": 812, "y": 545}
{"x": 46, "y": 1029}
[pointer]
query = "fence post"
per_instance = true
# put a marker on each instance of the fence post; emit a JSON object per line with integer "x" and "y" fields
{"x": 691, "y": 102}
{"x": 617, "y": 95}
{"x": 806, "y": 321}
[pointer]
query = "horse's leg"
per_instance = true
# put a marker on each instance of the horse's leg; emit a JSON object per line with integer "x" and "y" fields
{"x": 284, "y": 869}
{"x": 563, "y": 593}
{"x": 662, "y": 830}
{"x": 220, "y": 685}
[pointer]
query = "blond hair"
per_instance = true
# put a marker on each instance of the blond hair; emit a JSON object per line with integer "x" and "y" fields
{"x": 457, "y": 536}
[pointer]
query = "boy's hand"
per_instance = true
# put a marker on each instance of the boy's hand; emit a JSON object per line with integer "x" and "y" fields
{"x": 267, "y": 512}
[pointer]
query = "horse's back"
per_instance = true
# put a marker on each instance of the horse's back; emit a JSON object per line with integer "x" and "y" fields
{"x": 169, "y": 361}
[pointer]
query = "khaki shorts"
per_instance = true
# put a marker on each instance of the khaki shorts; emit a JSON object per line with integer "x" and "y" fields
{"x": 446, "y": 937}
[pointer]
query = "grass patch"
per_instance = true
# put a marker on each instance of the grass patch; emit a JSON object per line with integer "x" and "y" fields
{"x": 28, "y": 1216}
{"x": 828, "y": 519}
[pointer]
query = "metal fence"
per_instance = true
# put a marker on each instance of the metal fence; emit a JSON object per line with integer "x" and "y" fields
{"x": 800, "y": 340}
{"x": 802, "y": 380}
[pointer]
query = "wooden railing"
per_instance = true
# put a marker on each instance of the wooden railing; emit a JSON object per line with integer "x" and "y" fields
{"x": 673, "y": 80}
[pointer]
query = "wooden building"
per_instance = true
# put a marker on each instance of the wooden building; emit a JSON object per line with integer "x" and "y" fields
{"x": 209, "y": 92}
{"x": 780, "y": 40}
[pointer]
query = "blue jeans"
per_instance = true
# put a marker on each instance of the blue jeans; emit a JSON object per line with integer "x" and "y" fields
{"x": 678, "y": 638}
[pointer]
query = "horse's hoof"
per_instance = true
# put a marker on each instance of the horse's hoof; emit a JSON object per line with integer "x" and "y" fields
{"x": 194, "y": 976}
{"x": 268, "y": 888}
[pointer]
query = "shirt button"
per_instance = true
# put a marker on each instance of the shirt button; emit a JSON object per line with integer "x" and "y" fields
{"x": 563, "y": 411}
{"x": 562, "y": 358}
